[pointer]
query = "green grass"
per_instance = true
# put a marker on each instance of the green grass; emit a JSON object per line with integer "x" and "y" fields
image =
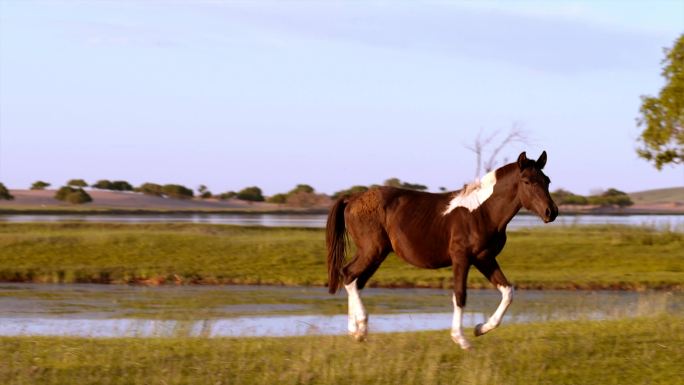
{"x": 547, "y": 257}
{"x": 634, "y": 351}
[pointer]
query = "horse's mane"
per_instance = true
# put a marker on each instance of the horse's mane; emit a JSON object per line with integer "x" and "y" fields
{"x": 473, "y": 194}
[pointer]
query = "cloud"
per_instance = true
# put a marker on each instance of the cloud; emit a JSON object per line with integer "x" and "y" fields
{"x": 543, "y": 41}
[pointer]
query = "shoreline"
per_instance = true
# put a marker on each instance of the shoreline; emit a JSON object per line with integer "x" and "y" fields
{"x": 177, "y": 281}
{"x": 284, "y": 211}
{"x": 591, "y": 257}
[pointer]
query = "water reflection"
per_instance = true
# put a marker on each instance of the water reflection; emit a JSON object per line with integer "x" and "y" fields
{"x": 318, "y": 220}
{"x": 87, "y": 310}
{"x": 273, "y": 326}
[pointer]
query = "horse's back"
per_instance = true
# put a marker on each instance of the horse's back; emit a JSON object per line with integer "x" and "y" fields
{"x": 389, "y": 203}
{"x": 409, "y": 222}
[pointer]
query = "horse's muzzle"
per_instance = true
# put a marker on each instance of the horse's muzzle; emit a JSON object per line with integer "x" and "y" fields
{"x": 550, "y": 214}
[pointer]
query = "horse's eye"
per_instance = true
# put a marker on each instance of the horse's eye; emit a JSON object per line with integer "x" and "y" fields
{"x": 526, "y": 181}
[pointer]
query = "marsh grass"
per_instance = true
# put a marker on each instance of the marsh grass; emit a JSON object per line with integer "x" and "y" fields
{"x": 635, "y": 351}
{"x": 573, "y": 257}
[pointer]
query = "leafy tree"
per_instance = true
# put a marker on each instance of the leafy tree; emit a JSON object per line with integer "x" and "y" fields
{"x": 103, "y": 184}
{"x": 77, "y": 183}
{"x": 306, "y": 199}
{"x": 414, "y": 186}
{"x": 117, "y": 185}
{"x": 40, "y": 185}
{"x": 613, "y": 192}
{"x": 662, "y": 117}
{"x": 79, "y": 196}
{"x": 150, "y": 189}
{"x": 303, "y": 195}
{"x": 121, "y": 185}
{"x": 204, "y": 192}
{"x": 252, "y": 194}
{"x": 277, "y": 198}
{"x": 72, "y": 195}
{"x": 350, "y": 191}
{"x": 4, "y": 193}
{"x": 611, "y": 197}
{"x": 395, "y": 182}
{"x": 301, "y": 188}
{"x": 565, "y": 197}
{"x": 227, "y": 195}
{"x": 574, "y": 200}
{"x": 177, "y": 191}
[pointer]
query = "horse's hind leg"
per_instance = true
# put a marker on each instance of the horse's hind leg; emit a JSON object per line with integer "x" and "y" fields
{"x": 460, "y": 269}
{"x": 490, "y": 269}
{"x": 356, "y": 274}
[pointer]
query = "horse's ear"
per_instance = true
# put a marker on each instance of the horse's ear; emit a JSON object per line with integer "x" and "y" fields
{"x": 541, "y": 162}
{"x": 522, "y": 160}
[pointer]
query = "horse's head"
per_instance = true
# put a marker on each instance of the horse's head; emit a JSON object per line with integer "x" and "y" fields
{"x": 533, "y": 189}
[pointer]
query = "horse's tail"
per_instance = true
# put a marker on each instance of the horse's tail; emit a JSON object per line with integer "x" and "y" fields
{"x": 335, "y": 240}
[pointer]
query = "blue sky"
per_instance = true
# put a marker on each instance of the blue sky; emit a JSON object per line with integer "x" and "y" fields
{"x": 233, "y": 94}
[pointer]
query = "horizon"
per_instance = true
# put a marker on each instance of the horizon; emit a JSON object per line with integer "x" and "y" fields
{"x": 238, "y": 94}
{"x": 215, "y": 194}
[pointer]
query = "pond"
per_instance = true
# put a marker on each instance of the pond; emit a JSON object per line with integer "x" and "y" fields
{"x": 318, "y": 220}
{"x": 254, "y": 311}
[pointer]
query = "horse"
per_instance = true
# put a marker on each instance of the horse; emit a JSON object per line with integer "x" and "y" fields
{"x": 460, "y": 229}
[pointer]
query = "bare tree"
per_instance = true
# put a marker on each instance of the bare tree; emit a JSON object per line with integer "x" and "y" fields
{"x": 488, "y": 148}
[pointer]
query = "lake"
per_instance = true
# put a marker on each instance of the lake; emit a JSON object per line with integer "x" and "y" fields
{"x": 318, "y": 220}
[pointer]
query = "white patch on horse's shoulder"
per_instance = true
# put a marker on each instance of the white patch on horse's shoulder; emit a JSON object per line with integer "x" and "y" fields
{"x": 475, "y": 194}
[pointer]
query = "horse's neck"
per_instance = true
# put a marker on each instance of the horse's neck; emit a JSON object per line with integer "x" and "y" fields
{"x": 502, "y": 206}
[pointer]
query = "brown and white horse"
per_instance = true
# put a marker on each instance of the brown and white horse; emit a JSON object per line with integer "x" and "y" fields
{"x": 458, "y": 229}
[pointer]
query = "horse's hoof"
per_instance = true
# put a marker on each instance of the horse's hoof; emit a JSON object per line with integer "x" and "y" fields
{"x": 462, "y": 342}
{"x": 360, "y": 331}
{"x": 478, "y": 330}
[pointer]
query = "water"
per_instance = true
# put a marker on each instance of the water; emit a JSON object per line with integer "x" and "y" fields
{"x": 267, "y": 220}
{"x": 103, "y": 311}
{"x": 318, "y": 220}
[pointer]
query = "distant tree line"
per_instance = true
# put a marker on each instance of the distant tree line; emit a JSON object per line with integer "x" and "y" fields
{"x": 610, "y": 197}
{"x": 302, "y": 195}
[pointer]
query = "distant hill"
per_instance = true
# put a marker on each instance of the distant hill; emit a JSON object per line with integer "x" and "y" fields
{"x": 672, "y": 195}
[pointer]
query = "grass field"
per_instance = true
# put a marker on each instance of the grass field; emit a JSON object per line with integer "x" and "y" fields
{"x": 563, "y": 257}
{"x": 635, "y": 351}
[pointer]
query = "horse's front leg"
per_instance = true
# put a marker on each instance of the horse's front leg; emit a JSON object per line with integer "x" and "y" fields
{"x": 490, "y": 269}
{"x": 460, "y": 267}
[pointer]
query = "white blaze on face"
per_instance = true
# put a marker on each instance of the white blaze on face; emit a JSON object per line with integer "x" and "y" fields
{"x": 475, "y": 194}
